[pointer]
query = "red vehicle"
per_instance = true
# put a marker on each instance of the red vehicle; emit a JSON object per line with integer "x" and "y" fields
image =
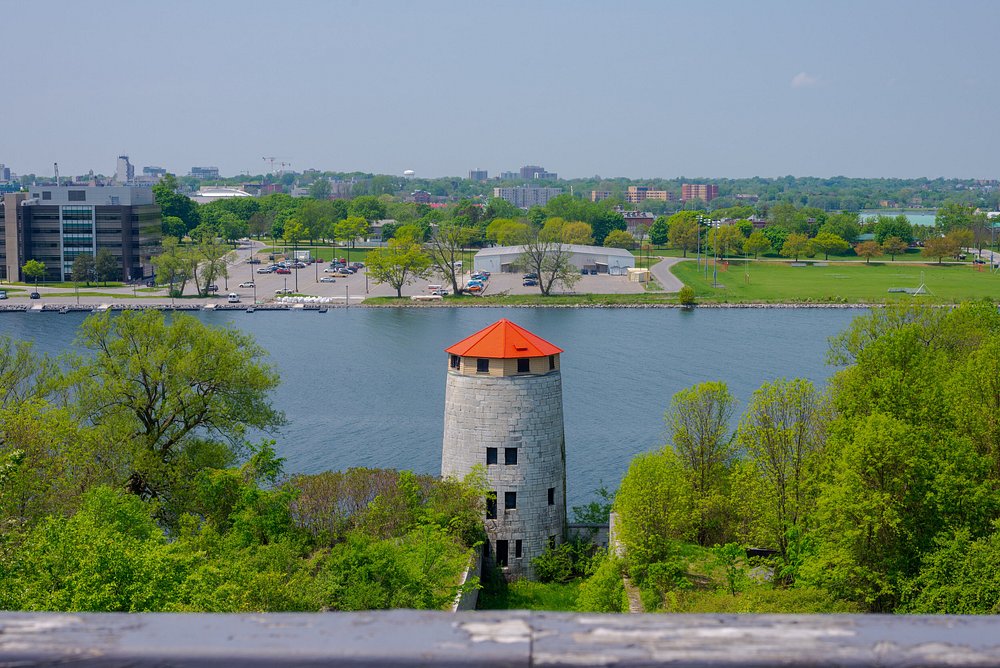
{"x": 282, "y": 270}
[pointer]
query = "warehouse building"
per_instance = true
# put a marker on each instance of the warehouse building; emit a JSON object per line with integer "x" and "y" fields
{"x": 596, "y": 259}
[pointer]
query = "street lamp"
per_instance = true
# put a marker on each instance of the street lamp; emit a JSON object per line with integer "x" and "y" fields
{"x": 698, "y": 256}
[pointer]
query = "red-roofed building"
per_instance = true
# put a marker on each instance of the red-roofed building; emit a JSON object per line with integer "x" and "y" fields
{"x": 503, "y": 410}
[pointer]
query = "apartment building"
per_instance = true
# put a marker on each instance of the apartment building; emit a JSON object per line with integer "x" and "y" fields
{"x": 526, "y": 197}
{"x": 703, "y": 191}
{"x": 637, "y": 194}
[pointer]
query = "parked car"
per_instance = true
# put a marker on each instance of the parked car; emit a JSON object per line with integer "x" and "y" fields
{"x": 233, "y": 298}
{"x": 3, "y": 294}
{"x": 328, "y": 279}
{"x": 298, "y": 265}
{"x": 254, "y": 260}
{"x": 342, "y": 273}
{"x": 282, "y": 270}
{"x": 213, "y": 288}
{"x": 331, "y": 270}
{"x": 531, "y": 276}
{"x": 34, "y": 295}
{"x": 247, "y": 284}
{"x": 265, "y": 270}
{"x": 151, "y": 283}
{"x": 479, "y": 277}
{"x": 440, "y": 292}
{"x": 474, "y": 284}
{"x": 475, "y": 288}
{"x": 529, "y": 282}
{"x": 284, "y": 291}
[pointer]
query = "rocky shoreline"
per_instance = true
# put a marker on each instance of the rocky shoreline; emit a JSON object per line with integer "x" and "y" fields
{"x": 121, "y": 306}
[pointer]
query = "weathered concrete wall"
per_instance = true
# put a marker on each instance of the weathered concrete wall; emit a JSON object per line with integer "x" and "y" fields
{"x": 523, "y": 412}
{"x": 500, "y": 638}
{"x": 469, "y": 596}
{"x": 597, "y": 534}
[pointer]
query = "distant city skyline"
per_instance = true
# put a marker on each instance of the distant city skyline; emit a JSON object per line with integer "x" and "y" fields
{"x": 641, "y": 89}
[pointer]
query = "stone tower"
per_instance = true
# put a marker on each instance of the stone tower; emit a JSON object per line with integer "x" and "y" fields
{"x": 503, "y": 410}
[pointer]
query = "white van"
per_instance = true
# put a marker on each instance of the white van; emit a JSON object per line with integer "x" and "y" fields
{"x": 234, "y": 298}
{"x": 433, "y": 288}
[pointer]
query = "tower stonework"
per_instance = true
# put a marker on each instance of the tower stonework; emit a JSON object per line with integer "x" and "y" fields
{"x": 503, "y": 411}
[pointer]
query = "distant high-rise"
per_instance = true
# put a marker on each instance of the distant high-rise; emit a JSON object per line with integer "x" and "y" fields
{"x": 205, "y": 172}
{"x": 598, "y": 195}
{"x": 4, "y": 172}
{"x": 534, "y": 172}
{"x": 637, "y": 194}
{"x": 478, "y": 175}
{"x": 154, "y": 171}
{"x": 526, "y": 197}
{"x": 703, "y": 191}
{"x": 124, "y": 171}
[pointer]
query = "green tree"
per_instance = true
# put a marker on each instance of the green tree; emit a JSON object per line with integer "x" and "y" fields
{"x": 685, "y": 231}
{"x": 170, "y": 396}
{"x": 868, "y": 250}
{"x": 756, "y": 243}
{"x": 952, "y": 216}
{"x": 350, "y": 229}
{"x": 368, "y": 207}
{"x": 399, "y": 263}
{"x": 33, "y": 270}
{"x": 446, "y": 247}
{"x": 893, "y": 226}
{"x": 725, "y": 239}
{"x": 83, "y": 268}
{"x": 827, "y": 243}
{"x": 174, "y": 204}
{"x": 173, "y": 226}
{"x": 698, "y": 425}
{"x": 795, "y": 245}
{"x": 659, "y": 232}
{"x": 894, "y": 246}
{"x": 580, "y": 233}
{"x": 844, "y": 225}
{"x": 173, "y": 265}
{"x": 619, "y": 239}
{"x": 550, "y": 260}
{"x": 783, "y": 434}
{"x": 320, "y": 189}
{"x": 940, "y": 248}
{"x": 106, "y": 266}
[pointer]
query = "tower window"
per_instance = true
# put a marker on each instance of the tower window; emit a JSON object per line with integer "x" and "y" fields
{"x": 491, "y": 456}
{"x": 77, "y": 195}
{"x": 517, "y": 548}
{"x": 491, "y": 508}
{"x": 552, "y": 496}
{"x": 456, "y": 362}
{"x": 482, "y": 365}
{"x": 509, "y": 500}
{"x": 523, "y": 365}
{"x": 501, "y": 553}
{"x": 510, "y": 456}
{"x": 552, "y": 362}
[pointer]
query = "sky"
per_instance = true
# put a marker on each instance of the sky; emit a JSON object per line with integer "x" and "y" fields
{"x": 638, "y": 89}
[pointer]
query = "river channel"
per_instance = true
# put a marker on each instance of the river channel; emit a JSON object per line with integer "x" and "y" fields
{"x": 365, "y": 387}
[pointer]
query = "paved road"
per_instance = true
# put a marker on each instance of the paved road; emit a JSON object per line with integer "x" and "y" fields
{"x": 661, "y": 272}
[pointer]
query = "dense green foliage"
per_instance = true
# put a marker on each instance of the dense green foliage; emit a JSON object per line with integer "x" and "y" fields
{"x": 882, "y": 493}
{"x": 121, "y": 488}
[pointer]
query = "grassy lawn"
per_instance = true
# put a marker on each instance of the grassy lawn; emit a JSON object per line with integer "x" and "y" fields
{"x": 537, "y": 300}
{"x": 528, "y": 595}
{"x": 852, "y": 282}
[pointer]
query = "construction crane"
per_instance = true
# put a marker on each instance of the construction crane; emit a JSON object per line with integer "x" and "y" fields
{"x": 272, "y": 158}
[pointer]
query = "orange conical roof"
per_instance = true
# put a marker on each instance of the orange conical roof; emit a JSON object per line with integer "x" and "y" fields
{"x": 503, "y": 340}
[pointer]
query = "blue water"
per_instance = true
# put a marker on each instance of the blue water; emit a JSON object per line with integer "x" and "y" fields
{"x": 365, "y": 387}
{"x": 924, "y": 219}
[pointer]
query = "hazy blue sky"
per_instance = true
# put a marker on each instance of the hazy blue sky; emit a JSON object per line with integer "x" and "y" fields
{"x": 637, "y": 89}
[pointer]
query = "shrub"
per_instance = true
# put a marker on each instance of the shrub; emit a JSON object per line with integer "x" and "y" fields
{"x": 686, "y": 296}
{"x": 564, "y": 562}
{"x": 604, "y": 590}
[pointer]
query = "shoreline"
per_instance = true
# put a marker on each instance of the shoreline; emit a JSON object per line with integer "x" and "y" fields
{"x": 119, "y": 306}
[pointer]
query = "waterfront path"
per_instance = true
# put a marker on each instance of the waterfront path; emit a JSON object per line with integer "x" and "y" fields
{"x": 661, "y": 272}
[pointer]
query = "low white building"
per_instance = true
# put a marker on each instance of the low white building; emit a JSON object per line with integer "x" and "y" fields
{"x": 615, "y": 261}
{"x": 208, "y": 194}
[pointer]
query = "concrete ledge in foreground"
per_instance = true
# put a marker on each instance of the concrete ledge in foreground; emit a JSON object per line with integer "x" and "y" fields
{"x": 416, "y": 638}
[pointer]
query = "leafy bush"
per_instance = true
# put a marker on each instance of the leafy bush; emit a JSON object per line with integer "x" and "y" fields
{"x": 564, "y": 562}
{"x": 603, "y": 591}
{"x": 686, "y": 296}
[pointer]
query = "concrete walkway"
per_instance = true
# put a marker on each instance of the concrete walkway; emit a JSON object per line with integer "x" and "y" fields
{"x": 661, "y": 272}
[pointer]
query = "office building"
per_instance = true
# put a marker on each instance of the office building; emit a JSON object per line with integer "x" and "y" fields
{"x": 154, "y": 171}
{"x": 637, "y": 194}
{"x": 205, "y": 172}
{"x": 4, "y": 173}
{"x": 54, "y": 224}
{"x": 478, "y": 175}
{"x": 598, "y": 195}
{"x": 702, "y": 191}
{"x": 526, "y": 197}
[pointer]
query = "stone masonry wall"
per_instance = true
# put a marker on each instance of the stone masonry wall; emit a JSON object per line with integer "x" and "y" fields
{"x": 524, "y": 412}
